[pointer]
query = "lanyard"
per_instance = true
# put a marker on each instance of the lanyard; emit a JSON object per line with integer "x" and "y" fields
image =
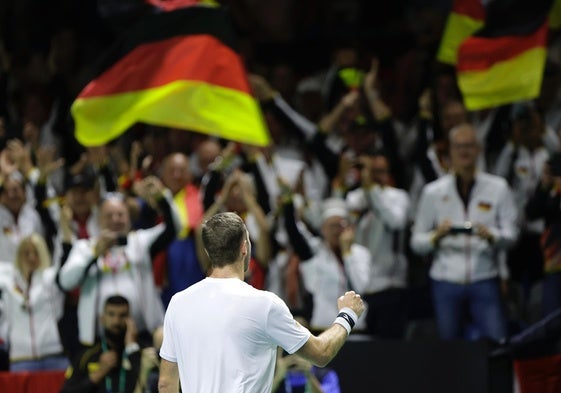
{"x": 122, "y": 372}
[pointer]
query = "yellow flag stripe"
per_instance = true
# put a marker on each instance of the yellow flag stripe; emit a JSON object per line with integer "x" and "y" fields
{"x": 458, "y": 28}
{"x": 190, "y": 105}
{"x": 509, "y": 81}
{"x": 179, "y": 200}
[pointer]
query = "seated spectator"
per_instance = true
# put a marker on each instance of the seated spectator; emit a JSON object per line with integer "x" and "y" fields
{"x": 119, "y": 261}
{"x": 150, "y": 364}
{"x": 33, "y": 305}
{"x": 112, "y": 363}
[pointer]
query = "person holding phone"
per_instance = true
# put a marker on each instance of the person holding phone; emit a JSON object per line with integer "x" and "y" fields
{"x": 118, "y": 260}
{"x": 112, "y": 363}
{"x": 467, "y": 220}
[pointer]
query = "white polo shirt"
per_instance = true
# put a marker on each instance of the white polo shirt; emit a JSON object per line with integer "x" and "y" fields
{"x": 223, "y": 333}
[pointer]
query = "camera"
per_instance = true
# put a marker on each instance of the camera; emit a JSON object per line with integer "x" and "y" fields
{"x": 122, "y": 240}
{"x": 466, "y": 228}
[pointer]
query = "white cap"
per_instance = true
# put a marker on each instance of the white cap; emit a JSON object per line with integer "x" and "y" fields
{"x": 334, "y": 207}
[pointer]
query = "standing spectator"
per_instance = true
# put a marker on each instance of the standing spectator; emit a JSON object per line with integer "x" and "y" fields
{"x": 17, "y": 217}
{"x": 78, "y": 219}
{"x": 382, "y": 212}
{"x": 546, "y": 204}
{"x": 82, "y": 197}
{"x": 203, "y": 156}
{"x": 33, "y": 307}
{"x": 430, "y": 157}
{"x": 118, "y": 261}
{"x": 112, "y": 364}
{"x": 180, "y": 265}
{"x": 466, "y": 219}
{"x": 238, "y": 195}
{"x": 521, "y": 162}
{"x": 338, "y": 264}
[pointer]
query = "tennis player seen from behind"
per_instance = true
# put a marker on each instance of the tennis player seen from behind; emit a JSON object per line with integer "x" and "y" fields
{"x": 221, "y": 335}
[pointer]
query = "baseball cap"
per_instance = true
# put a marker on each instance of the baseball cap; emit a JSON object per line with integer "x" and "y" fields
{"x": 83, "y": 180}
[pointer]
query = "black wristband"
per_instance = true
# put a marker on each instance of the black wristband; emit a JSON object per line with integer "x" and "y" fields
{"x": 347, "y": 318}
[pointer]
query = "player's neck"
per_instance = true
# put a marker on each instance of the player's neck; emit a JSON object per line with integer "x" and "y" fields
{"x": 234, "y": 270}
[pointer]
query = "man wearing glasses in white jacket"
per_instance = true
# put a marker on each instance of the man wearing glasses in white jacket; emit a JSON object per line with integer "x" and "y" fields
{"x": 466, "y": 219}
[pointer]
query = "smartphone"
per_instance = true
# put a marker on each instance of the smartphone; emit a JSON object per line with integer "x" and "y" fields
{"x": 122, "y": 240}
{"x": 466, "y": 229}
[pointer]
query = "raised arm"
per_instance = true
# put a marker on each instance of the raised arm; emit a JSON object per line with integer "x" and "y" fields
{"x": 321, "y": 349}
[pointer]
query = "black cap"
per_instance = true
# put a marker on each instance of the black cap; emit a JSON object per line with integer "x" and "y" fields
{"x": 82, "y": 180}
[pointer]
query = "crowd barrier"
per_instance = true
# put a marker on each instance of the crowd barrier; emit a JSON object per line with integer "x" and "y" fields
{"x": 369, "y": 366}
{"x": 31, "y": 382}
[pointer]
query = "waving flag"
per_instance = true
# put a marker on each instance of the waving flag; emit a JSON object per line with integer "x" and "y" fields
{"x": 466, "y": 17}
{"x": 502, "y": 60}
{"x": 500, "y": 70}
{"x": 175, "y": 69}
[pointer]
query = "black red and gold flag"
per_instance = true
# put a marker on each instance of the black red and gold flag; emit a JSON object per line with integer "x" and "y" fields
{"x": 176, "y": 69}
{"x": 503, "y": 60}
{"x": 494, "y": 71}
{"x": 465, "y": 18}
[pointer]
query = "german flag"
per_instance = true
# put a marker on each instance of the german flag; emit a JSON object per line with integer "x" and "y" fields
{"x": 175, "y": 69}
{"x": 466, "y": 17}
{"x": 504, "y": 62}
{"x": 170, "y": 5}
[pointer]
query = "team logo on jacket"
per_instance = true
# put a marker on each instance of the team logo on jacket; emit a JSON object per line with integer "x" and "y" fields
{"x": 485, "y": 206}
{"x": 522, "y": 171}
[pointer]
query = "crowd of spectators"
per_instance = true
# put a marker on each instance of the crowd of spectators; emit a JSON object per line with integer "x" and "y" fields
{"x": 377, "y": 180}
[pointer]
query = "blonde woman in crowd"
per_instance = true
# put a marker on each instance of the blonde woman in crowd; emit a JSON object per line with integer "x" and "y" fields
{"x": 33, "y": 305}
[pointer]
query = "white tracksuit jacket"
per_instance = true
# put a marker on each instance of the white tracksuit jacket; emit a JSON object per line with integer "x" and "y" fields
{"x": 465, "y": 258}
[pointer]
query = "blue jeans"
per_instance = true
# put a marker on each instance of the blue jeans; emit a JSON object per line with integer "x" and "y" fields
{"x": 480, "y": 300}
{"x": 55, "y": 362}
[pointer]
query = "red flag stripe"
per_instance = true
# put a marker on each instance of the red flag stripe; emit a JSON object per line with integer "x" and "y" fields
{"x": 480, "y": 53}
{"x": 472, "y": 8}
{"x": 170, "y": 5}
{"x": 170, "y": 55}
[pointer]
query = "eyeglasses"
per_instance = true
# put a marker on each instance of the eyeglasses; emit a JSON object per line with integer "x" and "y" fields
{"x": 458, "y": 146}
